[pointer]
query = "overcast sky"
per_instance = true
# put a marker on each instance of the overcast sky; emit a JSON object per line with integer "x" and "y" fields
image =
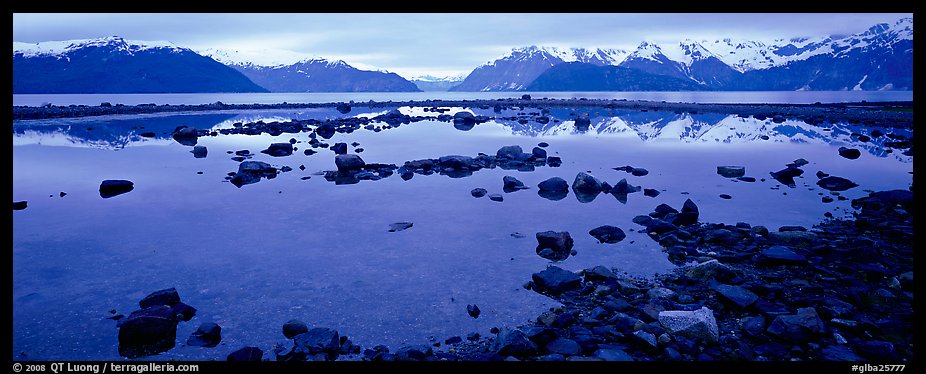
{"x": 439, "y": 43}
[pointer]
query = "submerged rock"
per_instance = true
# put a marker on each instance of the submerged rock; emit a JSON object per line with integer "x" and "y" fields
{"x": 399, "y": 226}
{"x": 348, "y": 163}
{"x": 208, "y": 334}
{"x": 608, "y": 234}
{"x": 200, "y": 151}
{"x": 473, "y": 310}
{"x": 832, "y": 183}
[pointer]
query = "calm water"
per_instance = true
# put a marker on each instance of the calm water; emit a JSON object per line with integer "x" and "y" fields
{"x": 251, "y": 258}
{"x": 782, "y": 97}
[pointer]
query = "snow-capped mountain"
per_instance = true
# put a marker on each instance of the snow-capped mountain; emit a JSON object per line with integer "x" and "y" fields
{"x": 876, "y": 59}
{"x": 289, "y": 71}
{"x": 426, "y": 82}
{"x": 116, "y": 65}
{"x": 520, "y": 66}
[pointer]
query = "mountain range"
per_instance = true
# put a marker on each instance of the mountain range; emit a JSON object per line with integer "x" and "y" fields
{"x": 879, "y": 58}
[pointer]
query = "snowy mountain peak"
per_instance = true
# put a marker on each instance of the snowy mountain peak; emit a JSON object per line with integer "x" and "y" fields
{"x": 258, "y": 58}
{"x": 648, "y": 51}
{"x": 62, "y": 47}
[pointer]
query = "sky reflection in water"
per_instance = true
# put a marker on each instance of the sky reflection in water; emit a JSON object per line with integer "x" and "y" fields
{"x": 251, "y": 258}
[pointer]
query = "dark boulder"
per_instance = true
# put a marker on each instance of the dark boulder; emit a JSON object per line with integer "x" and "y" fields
{"x": 183, "y": 312}
{"x": 246, "y": 354}
{"x": 478, "y": 192}
{"x": 456, "y": 162}
{"x": 167, "y": 297}
{"x": 496, "y": 197}
{"x": 20, "y": 205}
{"x": 797, "y": 328}
{"x": 832, "y": 183}
{"x": 555, "y": 280}
{"x": 251, "y": 172}
{"x": 348, "y": 163}
{"x": 585, "y": 183}
{"x": 582, "y": 122}
{"x": 200, "y": 151}
{"x": 316, "y": 341}
{"x": 608, "y": 234}
{"x": 779, "y": 254}
{"x": 185, "y": 135}
{"x": 208, "y": 334}
{"x": 147, "y": 332}
{"x": 279, "y": 149}
{"x": 114, "y": 187}
{"x": 512, "y": 152}
{"x": 555, "y": 246}
{"x": 737, "y": 295}
{"x": 339, "y": 148}
{"x": 880, "y": 200}
{"x": 465, "y": 118}
{"x": 554, "y": 184}
{"x": 513, "y": 343}
{"x": 623, "y": 188}
{"x": 413, "y": 353}
{"x": 539, "y": 153}
{"x": 473, "y": 310}
{"x": 688, "y": 215}
{"x": 343, "y": 108}
{"x": 564, "y": 346}
{"x": 511, "y": 184}
{"x": 553, "y": 161}
{"x": 731, "y": 171}
{"x": 649, "y": 192}
{"x": 786, "y": 175}
{"x": 849, "y": 153}
{"x": 294, "y": 327}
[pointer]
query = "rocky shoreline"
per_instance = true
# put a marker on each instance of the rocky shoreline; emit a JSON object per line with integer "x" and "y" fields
{"x": 887, "y": 114}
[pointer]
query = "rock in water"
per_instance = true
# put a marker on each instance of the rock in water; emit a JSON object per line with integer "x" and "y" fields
{"x": 514, "y": 343}
{"x": 510, "y": 152}
{"x": 585, "y": 183}
{"x": 623, "y": 188}
{"x": 208, "y": 334}
{"x": 779, "y": 254}
{"x": 20, "y": 205}
{"x": 786, "y": 175}
{"x": 200, "y": 151}
{"x": 473, "y": 310}
{"x": 496, "y": 197}
{"x": 343, "y": 108}
{"x": 339, "y": 148}
{"x": 558, "y": 244}
{"x": 348, "y": 163}
{"x": 148, "y": 332}
{"x": 554, "y": 184}
{"x": 583, "y": 122}
{"x": 539, "y": 153}
{"x": 555, "y": 280}
{"x": 699, "y": 324}
{"x": 832, "y": 183}
{"x": 688, "y": 215}
{"x": 246, "y": 354}
{"x": 731, "y": 171}
{"x": 849, "y": 153}
{"x": 608, "y": 234}
{"x": 279, "y": 149}
{"x": 399, "y": 226}
{"x": 114, "y": 187}
{"x": 478, "y": 192}
{"x": 512, "y": 184}
{"x": 294, "y": 327}
{"x": 167, "y": 297}
{"x": 317, "y": 340}
{"x": 185, "y": 135}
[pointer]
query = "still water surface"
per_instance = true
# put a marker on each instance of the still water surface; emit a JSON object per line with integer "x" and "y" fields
{"x": 251, "y": 258}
